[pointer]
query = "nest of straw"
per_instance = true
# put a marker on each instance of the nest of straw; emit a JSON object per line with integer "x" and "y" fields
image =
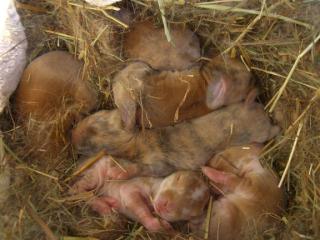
{"x": 277, "y": 40}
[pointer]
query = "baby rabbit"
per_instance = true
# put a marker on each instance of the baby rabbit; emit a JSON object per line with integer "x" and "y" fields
{"x": 181, "y": 196}
{"x": 162, "y": 98}
{"x": 51, "y": 81}
{"x": 52, "y": 91}
{"x": 187, "y": 145}
{"x": 148, "y": 43}
{"x": 249, "y": 200}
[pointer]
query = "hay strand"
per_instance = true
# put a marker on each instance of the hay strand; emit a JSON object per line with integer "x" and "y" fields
{"x": 30, "y": 7}
{"x": 208, "y": 219}
{"x": 248, "y": 28}
{"x": 176, "y": 114}
{"x": 89, "y": 7}
{"x": 114, "y": 19}
{"x": 118, "y": 164}
{"x": 87, "y": 164}
{"x": 40, "y": 222}
{"x": 276, "y": 97}
{"x": 38, "y": 172}
{"x": 217, "y": 7}
{"x": 164, "y": 20}
{"x": 290, "y": 156}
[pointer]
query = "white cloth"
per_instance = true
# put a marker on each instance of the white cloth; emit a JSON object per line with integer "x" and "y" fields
{"x": 101, "y": 3}
{"x": 13, "y": 45}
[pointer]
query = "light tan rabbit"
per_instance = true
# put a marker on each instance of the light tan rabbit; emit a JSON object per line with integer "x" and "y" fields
{"x": 249, "y": 199}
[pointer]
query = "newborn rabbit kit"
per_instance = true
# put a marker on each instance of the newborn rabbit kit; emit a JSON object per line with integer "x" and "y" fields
{"x": 164, "y": 120}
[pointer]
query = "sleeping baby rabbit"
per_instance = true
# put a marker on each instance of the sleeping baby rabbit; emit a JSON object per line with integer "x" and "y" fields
{"x": 181, "y": 196}
{"x": 187, "y": 145}
{"x": 52, "y": 94}
{"x": 153, "y": 98}
{"x": 249, "y": 199}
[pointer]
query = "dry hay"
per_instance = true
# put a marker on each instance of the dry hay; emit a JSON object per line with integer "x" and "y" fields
{"x": 269, "y": 36}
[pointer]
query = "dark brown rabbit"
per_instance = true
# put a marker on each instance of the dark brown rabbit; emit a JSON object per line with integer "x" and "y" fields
{"x": 187, "y": 145}
{"x": 162, "y": 98}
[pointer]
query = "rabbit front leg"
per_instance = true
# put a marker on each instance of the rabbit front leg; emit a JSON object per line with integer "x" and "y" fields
{"x": 103, "y": 205}
{"x": 135, "y": 203}
{"x": 105, "y": 168}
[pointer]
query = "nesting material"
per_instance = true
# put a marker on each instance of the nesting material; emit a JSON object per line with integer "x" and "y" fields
{"x": 4, "y": 174}
{"x": 267, "y": 36}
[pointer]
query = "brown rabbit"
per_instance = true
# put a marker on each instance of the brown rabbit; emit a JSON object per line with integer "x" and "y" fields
{"x": 181, "y": 196}
{"x": 162, "y": 98}
{"x": 187, "y": 145}
{"x": 250, "y": 200}
{"x": 52, "y": 89}
{"x": 148, "y": 43}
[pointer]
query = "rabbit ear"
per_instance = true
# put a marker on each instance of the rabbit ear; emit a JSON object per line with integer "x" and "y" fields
{"x": 128, "y": 85}
{"x": 251, "y": 97}
{"x": 227, "y": 180}
{"x": 126, "y": 103}
{"x": 128, "y": 114}
{"x": 216, "y": 91}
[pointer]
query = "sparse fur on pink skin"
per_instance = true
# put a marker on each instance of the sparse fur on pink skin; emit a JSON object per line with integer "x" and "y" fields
{"x": 106, "y": 168}
{"x": 185, "y": 146}
{"x": 152, "y": 99}
{"x": 185, "y": 192}
{"x": 250, "y": 199}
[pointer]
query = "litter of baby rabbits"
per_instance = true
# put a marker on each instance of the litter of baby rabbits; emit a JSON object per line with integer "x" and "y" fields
{"x": 277, "y": 44}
